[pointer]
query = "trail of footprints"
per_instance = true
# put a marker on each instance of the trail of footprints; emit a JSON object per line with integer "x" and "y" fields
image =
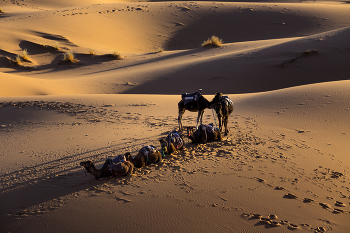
{"x": 244, "y": 147}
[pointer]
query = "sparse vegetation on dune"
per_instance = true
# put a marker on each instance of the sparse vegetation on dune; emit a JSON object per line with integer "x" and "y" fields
{"x": 92, "y": 52}
{"x": 55, "y": 46}
{"x": 69, "y": 57}
{"x": 213, "y": 41}
{"x": 1, "y": 11}
{"x": 116, "y": 55}
{"x": 160, "y": 49}
{"x": 24, "y": 56}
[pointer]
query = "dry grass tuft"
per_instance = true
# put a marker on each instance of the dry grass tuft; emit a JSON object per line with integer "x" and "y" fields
{"x": 1, "y": 10}
{"x": 92, "y": 52}
{"x": 213, "y": 41}
{"x": 69, "y": 57}
{"x": 24, "y": 56}
{"x": 17, "y": 60}
{"x": 55, "y": 46}
{"x": 116, "y": 55}
{"x": 160, "y": 50}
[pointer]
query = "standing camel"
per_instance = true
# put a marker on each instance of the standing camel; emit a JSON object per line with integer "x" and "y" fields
{"x": 223, "y": 107}
{"x": 194, "y": 102}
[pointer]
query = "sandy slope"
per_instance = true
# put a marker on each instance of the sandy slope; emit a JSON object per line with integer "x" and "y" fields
{"x": 283, "y": 167}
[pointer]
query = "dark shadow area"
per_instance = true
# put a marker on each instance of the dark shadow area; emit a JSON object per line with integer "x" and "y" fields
{"x": 35, "y": 49}
{"x": 55, "y": 38}
{"x": 250, "y": 73}
{"x": 242, "y": 25}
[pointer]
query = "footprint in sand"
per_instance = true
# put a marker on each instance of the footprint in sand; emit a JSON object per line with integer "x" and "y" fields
{"x": 340, "y": 204}
{"x": 290, "y": 196}
{"x": 308, "y": 200}
{"x": 293, "y": 226}
{"x": 325, "y": 205}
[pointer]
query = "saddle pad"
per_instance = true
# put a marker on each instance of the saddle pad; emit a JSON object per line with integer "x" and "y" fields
{"x": 227, "y": 101}
{"x": 175, "y": 138}
{"x": 119, "y": 158}
{"x": 148, "y": 150}
{"x": 117, "y": 166}
{"x": 189, "y": 97}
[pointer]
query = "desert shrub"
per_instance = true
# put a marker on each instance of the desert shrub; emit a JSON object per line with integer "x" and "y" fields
{"x": 1, "y": 10}
{"x": 24, "y": 55}
{"x": 309, "y": 52}
{"x": 55, "y": 46}
{"x": 69, "y": 57}
{"x": 17, "y": 60}
{"x": 160, "y": 49}
{"x": 213, "y": 41}
{"x": 92, "y": 52}
{"x": 115, "y": 55}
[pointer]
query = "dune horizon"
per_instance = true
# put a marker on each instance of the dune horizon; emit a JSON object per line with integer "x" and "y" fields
{"x": 90, "y": 80}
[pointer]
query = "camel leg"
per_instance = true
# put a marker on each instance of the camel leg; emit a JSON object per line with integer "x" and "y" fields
{"x": 200, "y": 117}
{"x": 181, "y": 113}
{"x": 225, "y": 123}
{"x": 181, "y": 107}
{"x": 220, "y": 123}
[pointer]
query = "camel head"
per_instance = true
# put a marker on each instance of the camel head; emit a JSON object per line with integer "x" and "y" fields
{"x": 190, "y": 133}
{"x": 87, "y": 164}
{"x": 215, "y": 100}
{"x": 164, "y": 145}
{"x": 127, "y": 156}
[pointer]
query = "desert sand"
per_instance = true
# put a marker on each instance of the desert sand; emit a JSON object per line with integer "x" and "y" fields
{"x": 283, "y": 167}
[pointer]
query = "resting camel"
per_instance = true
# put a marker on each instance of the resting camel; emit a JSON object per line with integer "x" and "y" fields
{"x": 204, "y": 133}
{"x": 119, "y": 169}
{"x": 223, "y": 107}
{"x": 172, "y": 143}
{"x": 145, "y": 156}
{"x": 198, "y": 104}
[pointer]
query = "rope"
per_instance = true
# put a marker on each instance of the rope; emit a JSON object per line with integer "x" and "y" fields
{"x": 214, "y": 118}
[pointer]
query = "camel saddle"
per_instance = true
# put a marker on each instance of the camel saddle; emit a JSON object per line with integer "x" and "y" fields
{"x": 224, "y": 100}
{"x": 146, "y": 150}
{"x": 115, "y": 164}
{"x": 191, "y": 99}
{"x": 175, "y": 138}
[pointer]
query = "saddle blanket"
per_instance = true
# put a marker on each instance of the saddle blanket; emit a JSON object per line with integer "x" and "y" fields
{"x": 119, "y": 158}
{"x": 227, "y": 101}
{"x": 175, "y": 138}
{"x": 190, "y": 97}
{"x": 146, "y": 150}
{"x": 208, "y": 128}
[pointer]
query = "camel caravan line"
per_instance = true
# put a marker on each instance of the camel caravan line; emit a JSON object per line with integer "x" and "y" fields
{"x": 123, "y": 165}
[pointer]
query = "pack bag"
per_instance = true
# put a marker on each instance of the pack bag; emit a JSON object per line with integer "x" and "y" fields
{"x": 204, "y": 131}
{"x": 226, "y": 100}
{"x": 175, "y": 138}
{"x": 146, "y": 150}
{"x": 115, "y": 164}
{"x": 190, "y": 99}
{"x": 119, "y": 158}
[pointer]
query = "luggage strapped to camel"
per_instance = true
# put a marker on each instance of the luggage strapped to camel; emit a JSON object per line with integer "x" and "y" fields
{"x": 207, "y": 129}
{"x": 190, "y": 99}
{"x": 146, "y": 150}
{"x": 175, "y": 138}
{"x": 115, "y": 164}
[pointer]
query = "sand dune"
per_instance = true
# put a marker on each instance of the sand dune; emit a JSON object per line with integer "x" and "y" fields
{"x": 283, "y": 167}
